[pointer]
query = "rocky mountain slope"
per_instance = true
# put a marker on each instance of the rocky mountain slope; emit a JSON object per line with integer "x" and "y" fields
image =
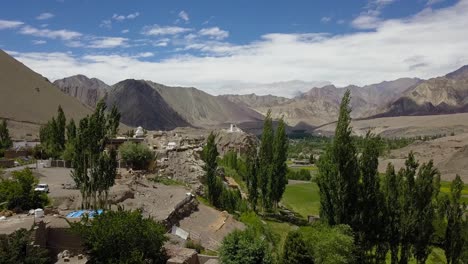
{"x": 155, "y": 106}
{"x": 441, "y": 95}
{"x": 88, "y": 91}
{"x": 26, "y": 96}
{"x": 320, "y": 105}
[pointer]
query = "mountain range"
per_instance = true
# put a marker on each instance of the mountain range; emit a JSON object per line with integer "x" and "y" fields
{"x": 28, "y": 96}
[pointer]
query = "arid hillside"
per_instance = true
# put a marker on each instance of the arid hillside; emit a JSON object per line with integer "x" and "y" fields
{"x": 27, "y": 96}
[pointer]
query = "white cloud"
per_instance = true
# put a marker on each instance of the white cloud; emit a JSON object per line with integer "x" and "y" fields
{"x": 106, "y": 24}
{"x": 125, "y": 31}
{"x": 123, "y": 17}
{"x": 325, "y": 19}
{"x": 45, "y": 16}
{"x": 157, "y": 30}
{"x": 370, "y": 18}
{"x": 433, "y": 2}
{"x": 8, "y": 24}
{"x": 214, "y": 32}
{"x": 108, "y": 42}
{"x": 184, "y": 16}
{"x": 430, "y": 43}
{"x": 53, "y": 34}
{"x": 144, "y": 55}
{"x": 39, "y": 42}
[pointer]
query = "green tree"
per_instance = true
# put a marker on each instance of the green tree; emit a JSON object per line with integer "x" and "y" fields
{"x": 61, "y": 126}
{"x": 278, "y": 176}
{"x": 391, "y": 192}
{"x": 407, "y": 205}
{"x": 5, "y": 140}
{"x": 339, "y": 173}
{"x": 93, "y": 169}
{"x": 137, "y": 156}
{"x": 71, "y": 130}
{"x": 213, "y": 183}
{"x": 454, "y": 240}
{"x": 113, "y": 122}
{"x": 245, "y": 247}
{"x": 17, "y": 248}
{"x": 122, "y": 237}
{"x": 252, "y": 177}
{"x": 370, "y": 227}
{"x": 295, "y": 250}
{"x": 427, "y": 187}
{"x": 265, "y": 162}
{"x": 329, "y": 244}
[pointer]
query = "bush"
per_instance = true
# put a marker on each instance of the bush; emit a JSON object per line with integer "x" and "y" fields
{"x": 17, "y": 248}
{"x": 295, "y": 250}
{"x": 300, "y": 175}
{"x": 18, "y": 193}
{"x": 136, "y": 155}
{"x": 122, "y": 237}
{"x": 245, "y": 247}
{"x": 194, "y": 245}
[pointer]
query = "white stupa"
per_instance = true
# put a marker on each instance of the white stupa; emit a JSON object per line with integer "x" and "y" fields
{"x": 139, "y": 132}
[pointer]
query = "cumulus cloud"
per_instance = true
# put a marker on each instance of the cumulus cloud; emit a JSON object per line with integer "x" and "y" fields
{"x": 214, "y": 32}
{"x": 108, "y": 42}
{"x": 9, "y": 24}
{"x": 47, "y": 33}
{"x": 118, "y": 17}
{"x": 430, "y": 43}
{"x": 39, "y": 42}
{"x": 325, "y": 19}
{"x": 157, "y": 30}
{"x": 184, "y": 16}
{"x": 45, "y": 16}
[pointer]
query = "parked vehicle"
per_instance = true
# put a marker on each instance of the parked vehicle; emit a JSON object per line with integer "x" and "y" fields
{"x": 42, "y": 187}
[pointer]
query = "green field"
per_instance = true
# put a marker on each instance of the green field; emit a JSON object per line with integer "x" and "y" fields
{"x": 302, "y": 198}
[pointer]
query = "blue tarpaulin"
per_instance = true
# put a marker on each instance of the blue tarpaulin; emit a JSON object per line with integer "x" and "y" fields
{"x": 80, "y": 213}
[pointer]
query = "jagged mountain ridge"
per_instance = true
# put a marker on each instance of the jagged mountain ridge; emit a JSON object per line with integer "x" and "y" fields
{"x": 86, "y": 90}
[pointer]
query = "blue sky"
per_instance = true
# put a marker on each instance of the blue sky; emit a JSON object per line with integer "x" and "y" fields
{"x": 215, "y": 44}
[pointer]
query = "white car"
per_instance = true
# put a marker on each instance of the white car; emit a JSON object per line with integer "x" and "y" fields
{"x": 42, "y": 187}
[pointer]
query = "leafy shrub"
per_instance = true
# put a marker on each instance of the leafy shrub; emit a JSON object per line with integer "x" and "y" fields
{"x": 300, "y": 175}
{"x": 18, "y": 192}
{"x": 17, "y": 248}
{"x": 194, "y": 245}
{"x": 122, "y": 237}
{"x": 136, "y": 155}
{"x": 245, "y": 247}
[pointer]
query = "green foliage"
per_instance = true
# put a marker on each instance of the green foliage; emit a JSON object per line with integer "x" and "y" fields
{"x": 122, "y": 237}
{"x": 265, "y": 161}
{"x": 278, "y": 177}
{"x": 455, "y": 238}
{"x": 245, "y": 247}
{"x": 300, "y": 175}
{"x": 5, "y": 140}
{"x": 339, "y": 174}
{"x": 94, "y": 171}
{"x": 18, "y": 192}
{"x": 295, "y": 250}
{"x": 52, "y": 135}
{"x": 194, "y": 245}
{"x": 136, "y": 155}
{"x": 213, "y": 182}
{"x": 17, "y": 248}
{"x": 329, "y": 245}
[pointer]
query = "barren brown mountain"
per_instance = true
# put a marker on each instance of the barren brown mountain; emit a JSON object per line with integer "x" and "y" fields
{"x": 88, "y": 91}
{"x": 156, "y": 106}
{"x": 441, "y": 95}
{"x": 26, "y": 96}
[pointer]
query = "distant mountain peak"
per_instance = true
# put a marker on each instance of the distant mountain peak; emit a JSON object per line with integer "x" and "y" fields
{"x": 461, "y": 73}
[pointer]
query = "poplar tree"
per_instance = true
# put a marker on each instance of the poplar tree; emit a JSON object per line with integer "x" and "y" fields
{"x": 61, "y": 124}
{"x": 5, "y": 140}
{"x": 295, "y": 250}
{"x": 279, "y": 179}
{"x": 370, "y": 226}
{"x": 391, "y": 193}
{"x": 454, "y": 240}
{"x": 214, "y": 187}
{"x": 252, "y": 177}
{"x": 339, "y": 173}
{"x": 265, "y": 161}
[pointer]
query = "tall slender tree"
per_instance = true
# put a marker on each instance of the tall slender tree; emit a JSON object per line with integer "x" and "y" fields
{"x": 252, "y": 176}
{"x": 212, "y": 181}
{"x": 265, "y": 161}
{"x": 339, "y": 173}
{"x": 454, "y": 240}
{"x": 5, "y": 140}
{"x": 391, "y": 192}
{"x": 278, "y": 176}
{"x": 61, "y": 124}
{"x": 370, "y": 226}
